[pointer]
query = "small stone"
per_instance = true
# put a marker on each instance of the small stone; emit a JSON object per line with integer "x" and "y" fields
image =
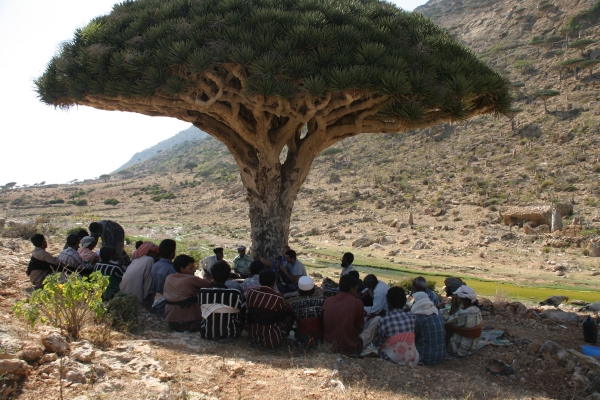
{"x": 84, "y": 353}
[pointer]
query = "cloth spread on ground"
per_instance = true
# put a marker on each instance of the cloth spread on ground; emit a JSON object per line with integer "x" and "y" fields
{"x": 222, "y": 325}
{"x": 267, "y": 319}
{"x": 491, "y": 336}
{"x": 401, "y": 349}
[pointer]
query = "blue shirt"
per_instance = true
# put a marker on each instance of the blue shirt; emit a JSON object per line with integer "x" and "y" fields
{"x": 160, "y": 270}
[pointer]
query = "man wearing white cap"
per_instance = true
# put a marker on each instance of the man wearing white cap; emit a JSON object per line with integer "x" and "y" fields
{"x": 241, "y": 263}
{"x": 463, "y": 323}
{"x": 309, "y": 313}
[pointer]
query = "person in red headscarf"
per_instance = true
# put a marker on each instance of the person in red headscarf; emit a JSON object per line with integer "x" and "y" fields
{"x": 136, "y": 278}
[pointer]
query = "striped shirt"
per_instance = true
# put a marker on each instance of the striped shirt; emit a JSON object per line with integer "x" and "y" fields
{"x": 110, "y": 269}
{"x": 70, "y": 259}
{"x": 264, "y": 301}
{"x": 222, "y": 325}
{"x": 469, "y": 317}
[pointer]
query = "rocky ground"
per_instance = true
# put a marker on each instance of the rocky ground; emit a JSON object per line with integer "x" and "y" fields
{"x": 157, "y": 364}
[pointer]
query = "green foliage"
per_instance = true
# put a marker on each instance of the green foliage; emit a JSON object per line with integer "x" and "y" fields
{"x": 406, "y": 284}
{"x": 581, "y": 43}
{"x": 546, "y": 94}
{"x": 330, "y": 151}
{"x": 123, "y": 311}
{"x": 285, "y": 48}
{"x": 111, "y": 201}
{"x": 56, "y": 201}
{"x": 190, "y": 166}
{"x": 524, "y": 65}
{"x": 69, "y": 305}
{"x": 81, "y": 203}
{"x": 536, "y": 41}
{"x": 163, "y": 196}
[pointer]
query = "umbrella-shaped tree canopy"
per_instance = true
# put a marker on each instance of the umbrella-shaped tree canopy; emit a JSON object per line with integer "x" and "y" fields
{"x": 255, "y": 73}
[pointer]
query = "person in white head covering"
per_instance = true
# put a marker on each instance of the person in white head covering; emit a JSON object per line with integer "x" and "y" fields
{"x": 309, "y": 313}
{"x": 463, "y": 322}
{"x": 430, "y": 335}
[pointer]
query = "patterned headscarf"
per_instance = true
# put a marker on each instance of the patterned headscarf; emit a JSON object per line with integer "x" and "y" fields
{"x": 146, "y": 248}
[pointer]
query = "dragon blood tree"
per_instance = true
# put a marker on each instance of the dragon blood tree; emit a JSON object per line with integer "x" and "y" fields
{"x": 263, "y": 76}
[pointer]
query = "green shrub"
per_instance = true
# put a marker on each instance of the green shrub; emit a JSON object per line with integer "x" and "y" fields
{"x": 68, "y": 305}
{"x": 331, "y": 151}
{"x": 56, "y": 201}
{"x": 71, "y": 202}
{"x": 77, "y": 194}
{"x": 111, "y": 201}
{"x": 163, "y": 196}
{"x": 122, "y": 311}
{"x": 81, "y": 203}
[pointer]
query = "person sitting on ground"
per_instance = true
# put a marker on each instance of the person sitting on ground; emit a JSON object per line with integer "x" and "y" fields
{"x": 81, "y": 233}
{"x": 160, "y": 270}
{"x": 112, "y": 235}
{"x": 137, "y": 246}
{"x": 207, "y": 263}
{"x": 361, "y": 288}
{"x": 69, "y": 258}
{"x": 309, "y": 313}
{"x": 182, "y": 311}
{"x": 42, "y": 263}
{"x": 378, "y": 291}
{"x": 223, "y": 308}
{"x": 86, "y": 250}
{"x": 241, "y": 263}
{"x": 136, "y": 278}
{"x": 292, "y": 270}
{"x": 347, "y": 260}
{"x": 430, "y": 335}
{"x": 395, "y": 337}
{"x": 111, "y": 268}
{"x": 463, "y": 323}
{"x": 343, "y": 319}
{"x": 419, "y": 284}
{"x": 252, "y": 281}
{"x": 270, "y": 318}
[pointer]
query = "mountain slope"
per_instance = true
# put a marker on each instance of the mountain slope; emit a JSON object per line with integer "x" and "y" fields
{"x": 192, "y": 133}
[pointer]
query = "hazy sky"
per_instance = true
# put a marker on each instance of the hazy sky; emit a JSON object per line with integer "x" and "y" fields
{"x": 39, "y": 143}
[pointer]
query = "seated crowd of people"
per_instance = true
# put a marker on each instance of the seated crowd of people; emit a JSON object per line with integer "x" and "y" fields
{"x": 274, "y": 300}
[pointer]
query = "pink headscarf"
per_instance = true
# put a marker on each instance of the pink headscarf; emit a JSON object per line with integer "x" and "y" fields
{"x": 145, "y": 248}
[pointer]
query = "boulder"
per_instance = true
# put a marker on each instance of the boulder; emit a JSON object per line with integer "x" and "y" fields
{"x": 46, "y": 358}
{"x": 550, "y": 347}
{"x": 387, "y": 240}
{"x": 13, "y": 366}
{"x": 537, "y": 215}
{"x": 55, "y": 343}
{"x": 594, "y": 249}
{"x": 560, "y": 315}
{"x": 528, "y": 230}
{"x": 578, "y": 358}
{"x": 402, "y": 225}
{"x": 31, "y": 352}
{"x": 84, "y": 351}
{"x": 557, "y": 224}
{"x": 499, "y": 305}
{"x": 75, "y": 376}
{"x": 564, "y": 208}
{"x": 363, "y": 241}
{"x": 420, "y": 245}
